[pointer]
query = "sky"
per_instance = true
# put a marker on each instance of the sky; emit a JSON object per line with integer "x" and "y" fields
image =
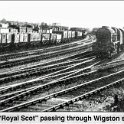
{"x": 87, "y": 14}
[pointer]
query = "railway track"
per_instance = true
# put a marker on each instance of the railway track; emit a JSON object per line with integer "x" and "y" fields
{"x": 53, "y": 75}
{"x": 78, "y": 92}
{"x": 49, "y": 70}
{"x": 31, "y": 52}
{"x": 36, "y": 94}
{"x": 35, "y": 58}
{"x": 73, "y": 94}
{"x": 96, "y": 86}
{"x": 47, "y": 62}
{"x": 40, "y": 51}
{"x": 69, "y": 56}
{"x": 55, "y": 79}
{"x": 110, "y": 65}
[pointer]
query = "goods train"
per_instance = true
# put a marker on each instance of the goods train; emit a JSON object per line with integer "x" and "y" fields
{"x": 28, "y": 37}
{"x": 109, "y": 41}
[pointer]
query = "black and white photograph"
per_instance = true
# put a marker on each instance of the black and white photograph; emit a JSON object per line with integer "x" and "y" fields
{"x": 61, "y": 56}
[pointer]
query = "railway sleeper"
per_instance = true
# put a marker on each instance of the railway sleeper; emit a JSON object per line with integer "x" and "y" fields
{"x": 48, "y": 97}
{"x": 77, "y": 99}
{"x": 53, "y": 109}
{"x": 32, "y": 103}
{"x": 55, "y": 95}
{"x": 61, "y": 106}
{"x": 57, "y": 107}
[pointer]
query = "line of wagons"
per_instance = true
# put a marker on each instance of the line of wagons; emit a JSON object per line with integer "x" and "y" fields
{"x": 109, "y": 41}
{"x": 39, "y": 37}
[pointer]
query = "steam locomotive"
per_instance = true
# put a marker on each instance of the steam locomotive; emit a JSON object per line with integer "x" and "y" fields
{"x": 109, "y": 41}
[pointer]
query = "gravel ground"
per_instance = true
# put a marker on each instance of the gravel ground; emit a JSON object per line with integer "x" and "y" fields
{"x": 102, "y": 102}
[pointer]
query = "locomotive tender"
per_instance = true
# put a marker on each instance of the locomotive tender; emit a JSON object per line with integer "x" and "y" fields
{"x": 109, "y": 41}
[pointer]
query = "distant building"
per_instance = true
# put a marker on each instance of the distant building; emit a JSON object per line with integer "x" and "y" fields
{"x": 4, "y": 23}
